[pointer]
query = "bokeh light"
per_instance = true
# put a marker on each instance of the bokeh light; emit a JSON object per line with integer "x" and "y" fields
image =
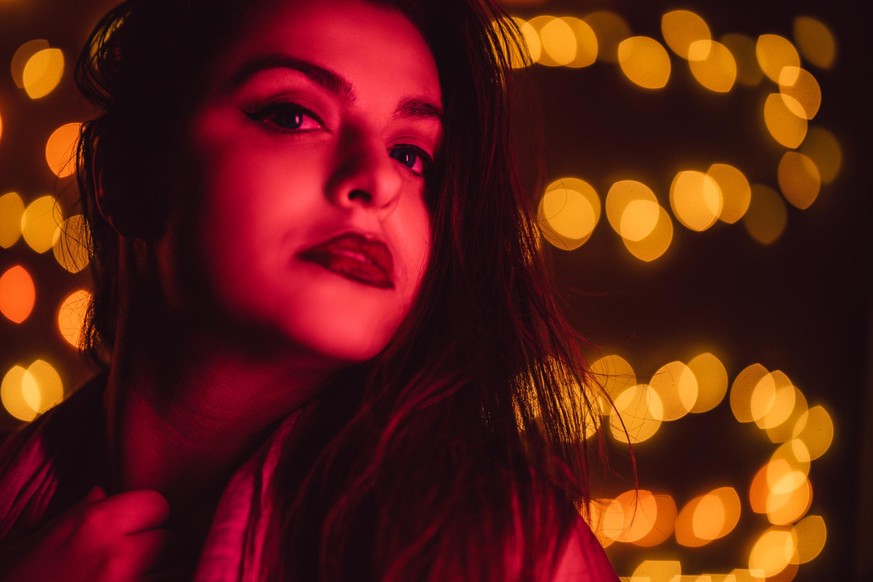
{"x": 772, "y": 400}
{"x": 71, "y": 316}
{"x": 568, "y": 212}
{"x": 799, "y": 179}
{"x": 696, "y": 200}
{"x": 644, "y": 61}
{"x": 640, "y": 513}
{"x": 60, "y": 149}
{"x": 610, "y": 29}
{"x": 713, "y": 65}
{"x": 736, "y": 194}
{"x": 28, "y": 392}
{"x": 636, "y": 517}
{"x": 657, "y": 243}
{"x": 601, "y": 514}
{"x": 42, "y": 386}
{"x": 815, "y": 429}
{"x": 785, "y": 430}
{"x": 786, "y": 127}
{"x": 613, "y": 521}
{"x": 784, "y": 507}
{"x": 774, "y": 53}
{"x": 40, "y": 220}
{"x": 708, "y": 517}
{"x": 614, "y": 374}
{"x": 804, "y": 90}
{"x": 43, "y": 72}
{"x": 628, "y": 209}
{"x": 17, "y": 294}
{"x": 21, "y": 56}
{"x": 741, "y": 391}
{"x": 586, "y": 42}
{"x": 811, "y": 533}
{"x": 822, "y": 147}
{"x": 12, "y": 394}
{"x": 712, "y": 381}
{"x": 656, "y": 571}
{"x": 742, "y": 49}
{"x": 559, "y": 42}
{"x": 773, "y": 551}
{"x": 639, "y": 219}
{"x": 681, "y": 29}
{"x": 788, "y": 465}
{"x": 11, "y": 211}
{"x": 664, "y": 522}
{"x": 781, "y": 488}
{"x": 1, "y": 125}
{"x": 767, "y": 216}
{"x": 676, "y": 386}
{"x": 70, "y": 244}
{"x": 639, "y": 410}
{"x": 815, "y": 41}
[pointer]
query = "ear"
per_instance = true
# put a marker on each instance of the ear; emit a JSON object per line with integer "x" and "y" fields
{"x": 129, "y": 210}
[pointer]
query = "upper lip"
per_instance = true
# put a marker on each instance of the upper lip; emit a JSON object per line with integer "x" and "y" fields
{"x": 368, "y": 248}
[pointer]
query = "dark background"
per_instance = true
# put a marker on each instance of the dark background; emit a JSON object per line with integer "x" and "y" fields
{"x": 801, "y": 304}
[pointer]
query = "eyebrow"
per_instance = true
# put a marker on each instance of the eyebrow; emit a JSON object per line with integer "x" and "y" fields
{"x": 407, "y": 107}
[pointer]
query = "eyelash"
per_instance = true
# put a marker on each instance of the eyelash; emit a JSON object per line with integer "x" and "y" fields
{"x": 270, "y": 116}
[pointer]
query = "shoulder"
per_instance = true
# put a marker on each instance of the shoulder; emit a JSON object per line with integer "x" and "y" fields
{"x": 583, "y": 558}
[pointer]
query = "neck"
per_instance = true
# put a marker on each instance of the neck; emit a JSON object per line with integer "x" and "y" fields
{"x": 186, "y": 411}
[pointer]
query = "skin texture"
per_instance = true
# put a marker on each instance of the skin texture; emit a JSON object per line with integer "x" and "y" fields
{"x": 287, "y": 162}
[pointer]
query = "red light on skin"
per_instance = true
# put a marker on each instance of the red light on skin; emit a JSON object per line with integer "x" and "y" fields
{"x": 301, "y": 137}
{"x": 356, "y": 257}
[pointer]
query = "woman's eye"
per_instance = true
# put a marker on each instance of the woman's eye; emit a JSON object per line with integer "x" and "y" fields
{"x": 415, "y": 158}
{"x": 288, "y": 117}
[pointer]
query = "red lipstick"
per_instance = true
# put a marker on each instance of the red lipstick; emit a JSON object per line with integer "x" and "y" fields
{"x": 356, "y": 257}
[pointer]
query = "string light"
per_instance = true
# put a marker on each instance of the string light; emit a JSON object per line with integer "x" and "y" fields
{"x": 780, "y": 490}
{"x": 718, "y": 66}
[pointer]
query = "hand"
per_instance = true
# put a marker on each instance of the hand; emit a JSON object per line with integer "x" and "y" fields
{"x": 101, "y": 539}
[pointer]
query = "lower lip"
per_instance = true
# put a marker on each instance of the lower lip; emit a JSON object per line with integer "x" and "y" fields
{"x": 350, "y": 267}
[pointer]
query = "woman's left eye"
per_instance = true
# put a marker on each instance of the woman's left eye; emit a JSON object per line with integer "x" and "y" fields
{"x": 287, "y": 117}
{"x": 415, "y": 158}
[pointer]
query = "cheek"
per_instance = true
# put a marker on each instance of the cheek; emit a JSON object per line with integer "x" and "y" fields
{"x": 252, "y": 213}
{"x": 413, "y": 233}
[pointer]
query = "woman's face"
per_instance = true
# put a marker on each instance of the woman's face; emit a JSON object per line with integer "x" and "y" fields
{"x": 311, "y": 149}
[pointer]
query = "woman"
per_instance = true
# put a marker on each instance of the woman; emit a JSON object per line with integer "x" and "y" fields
{"x": 329, "y": 350}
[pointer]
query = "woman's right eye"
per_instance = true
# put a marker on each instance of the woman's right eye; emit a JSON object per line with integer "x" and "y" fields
{"x": 287, "y": 117}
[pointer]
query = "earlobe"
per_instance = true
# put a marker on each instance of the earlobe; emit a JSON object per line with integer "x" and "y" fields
{"x": 128, "y": 214}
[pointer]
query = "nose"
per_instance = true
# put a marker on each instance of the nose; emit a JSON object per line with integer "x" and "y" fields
{"x": 363, "y": 173}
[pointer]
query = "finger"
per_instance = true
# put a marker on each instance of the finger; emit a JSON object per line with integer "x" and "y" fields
{"x": 134, "y": 511}
{"x": 147, "y": 551}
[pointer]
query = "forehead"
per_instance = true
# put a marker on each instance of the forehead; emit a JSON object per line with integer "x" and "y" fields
{"x": 376, "y": 45}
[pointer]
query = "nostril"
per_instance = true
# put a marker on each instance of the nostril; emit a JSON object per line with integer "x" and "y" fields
{"x": 360, "y": 194}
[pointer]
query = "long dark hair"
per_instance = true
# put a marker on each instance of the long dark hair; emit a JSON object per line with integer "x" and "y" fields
{"x": 456, "y": 453}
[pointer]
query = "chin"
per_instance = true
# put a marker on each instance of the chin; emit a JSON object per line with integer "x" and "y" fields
{"x": 348, "y": 344}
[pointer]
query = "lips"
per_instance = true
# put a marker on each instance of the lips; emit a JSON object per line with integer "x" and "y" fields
{"x": 356, "y": 257}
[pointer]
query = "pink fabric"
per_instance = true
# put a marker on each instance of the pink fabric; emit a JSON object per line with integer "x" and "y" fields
{"x": 234, "y": 546}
